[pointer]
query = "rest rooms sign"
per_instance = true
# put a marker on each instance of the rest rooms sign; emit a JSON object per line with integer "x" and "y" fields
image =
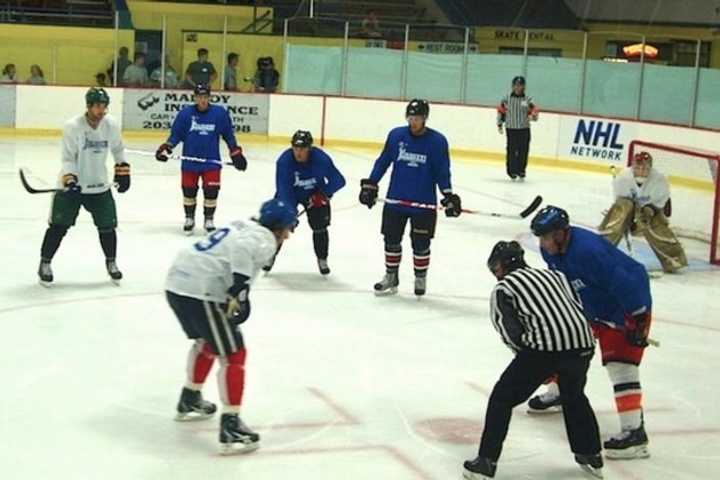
{"x": 157, "y": 109}
{"x": 595, "y": 139}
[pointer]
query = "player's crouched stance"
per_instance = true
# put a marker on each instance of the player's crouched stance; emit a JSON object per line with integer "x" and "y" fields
{"x": 86, "y": 141}
{"x": 208, "y": 288}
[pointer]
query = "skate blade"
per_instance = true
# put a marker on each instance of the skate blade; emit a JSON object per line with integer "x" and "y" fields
{"x": 468, "y": 475}
{"x": 386, "y": 293}
{"x": 628, "y": 453}
{"x": 115, "y": 281}
{"x": 594, "y": 472}
{"x": 192, "y": 417}
{"x": 547, "y": 411}
{"x": 45, "y": 283}
{"x": 238, "y": 448}
{"x": 188, "y": 233}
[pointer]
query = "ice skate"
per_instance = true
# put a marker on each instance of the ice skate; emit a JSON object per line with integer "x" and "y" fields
{"x": 479, "y": 468}
{"x": 388, "y": 285}
{"x": 627, "y": 445}
{"x": 420, "y": 286}
{"x": 192, "y": 406}
{"x": 189, "y": 226}
{"x": 45, "y": 273}
{"x": 323, "y": 266}
{"x": 545, "y": 403}
{"x": 235, "y": 436}
{"x": 114, "y": 272}
{"x": 591, "y": 464}
{"x": 209, "y": 225}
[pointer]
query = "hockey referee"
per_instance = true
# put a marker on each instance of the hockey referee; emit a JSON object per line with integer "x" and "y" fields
{"x": 515, "y": 111}
{"x": 540, "y": 317}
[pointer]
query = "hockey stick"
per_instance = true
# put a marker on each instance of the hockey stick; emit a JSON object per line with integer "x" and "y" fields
{"x": 177, "y": 157}
{"x": 427, "y": 206}
{"x": 32, "y": 190}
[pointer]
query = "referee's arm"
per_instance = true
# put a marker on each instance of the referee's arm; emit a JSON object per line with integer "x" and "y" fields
{"x": 501, "y": 113}
{"x": 512, "y": 329}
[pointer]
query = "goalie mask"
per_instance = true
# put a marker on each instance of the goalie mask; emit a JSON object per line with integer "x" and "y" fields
{"x": 641, "y": 165}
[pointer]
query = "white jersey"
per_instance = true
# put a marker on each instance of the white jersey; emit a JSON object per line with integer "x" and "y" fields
{"x": 85, "y": 150}
{"x": 205, "y": 269}
{"x": 654, "y": 191}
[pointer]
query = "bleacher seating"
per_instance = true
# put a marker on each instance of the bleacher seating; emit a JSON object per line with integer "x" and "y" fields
{"x": 511, "y": 13}
{"x": 57, "y": 12}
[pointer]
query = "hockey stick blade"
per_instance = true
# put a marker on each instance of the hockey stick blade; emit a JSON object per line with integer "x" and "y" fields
{"x": 532, "y": 207}
{"x": 32, "y": 190}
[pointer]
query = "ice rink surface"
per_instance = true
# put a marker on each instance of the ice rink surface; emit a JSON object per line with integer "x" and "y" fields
{"x": 340, "y": 384}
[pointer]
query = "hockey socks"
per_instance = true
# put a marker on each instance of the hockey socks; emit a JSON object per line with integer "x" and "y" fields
{"x": 231, "y": 380}
{"x": 200, "y": 361}
{"x": 51, "y": 242}
{"x": 189, "y": 201}
{"x": 421, "y": 262}
{"x": 321, "y": 243}
{"x": 393, "y": 255}
{"x": 628, "y": 394}
{"x": 108, "y": 242}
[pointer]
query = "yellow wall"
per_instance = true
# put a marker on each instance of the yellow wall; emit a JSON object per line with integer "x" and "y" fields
{"x": 79, "y": 53}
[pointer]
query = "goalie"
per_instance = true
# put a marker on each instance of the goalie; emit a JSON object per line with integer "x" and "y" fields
{"x": 642, "y": 207}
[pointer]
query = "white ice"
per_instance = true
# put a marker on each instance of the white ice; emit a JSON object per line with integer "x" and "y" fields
{"x": 340, "y": 384}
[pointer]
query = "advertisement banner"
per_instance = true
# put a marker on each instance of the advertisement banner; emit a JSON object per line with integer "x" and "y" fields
{"x": 595, "y": 139}
{"x": 156, "y": 109}
{"x": 7, "y": 100}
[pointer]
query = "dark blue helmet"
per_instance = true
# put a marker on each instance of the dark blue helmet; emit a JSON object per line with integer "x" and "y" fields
{"x": 202, "y": 89}
{"x": 508, "y": 254}
{"x": 302, "y": 138}
{"x": 549, "y": 219}
{"x": 417, "y": 107}
{"x": 277, "y": 215}
{"x": 519, "y": 80}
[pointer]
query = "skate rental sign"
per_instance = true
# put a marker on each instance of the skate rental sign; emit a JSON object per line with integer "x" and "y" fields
{"x": 157, "y": 109}
{"x": 598, "y": 139}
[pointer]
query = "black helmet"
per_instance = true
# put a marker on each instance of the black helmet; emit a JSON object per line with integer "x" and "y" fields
{"x": 510, "y": 255}
{"x": 417, "y": 107}
{"x": 549, "y": 219}
{"x": 519, "y": 80}
{"x": 202, "y": 89}
{"x": 302, "y": 139}
{"x": 97, "y": 95}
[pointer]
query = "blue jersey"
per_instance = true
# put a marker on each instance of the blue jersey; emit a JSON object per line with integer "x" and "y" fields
{"x": 200, "y": 134}
{"x": 296, "y": 181}
{"x": 420, "y": 163}
{"x": 609, "y": 282}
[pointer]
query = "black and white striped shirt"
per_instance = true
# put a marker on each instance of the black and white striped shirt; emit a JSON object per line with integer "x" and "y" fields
{"x": 539, "y": 310}
{"x": 515, "y": 111}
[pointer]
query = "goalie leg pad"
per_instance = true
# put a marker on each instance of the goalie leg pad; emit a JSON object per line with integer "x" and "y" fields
{"x": 617, "y": 220}
{"x": 665, "y": 244}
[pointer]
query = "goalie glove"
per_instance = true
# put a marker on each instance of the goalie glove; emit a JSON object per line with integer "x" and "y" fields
{"x": 452, "y": 204}
{"x": 637, "y": 328}
{"x": 238, "y": 301}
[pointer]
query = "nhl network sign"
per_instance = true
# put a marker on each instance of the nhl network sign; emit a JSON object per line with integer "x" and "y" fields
{"x": 598, "y": 140}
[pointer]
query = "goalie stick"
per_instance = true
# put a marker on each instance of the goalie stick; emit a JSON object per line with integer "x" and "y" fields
{"x": 428, "y": 206}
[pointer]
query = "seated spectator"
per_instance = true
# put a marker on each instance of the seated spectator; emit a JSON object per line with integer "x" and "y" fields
{"x": 8, "y": 74}
{"x": 200, "y": 71}
{"x": 136, "y": 74}
{"x": 171, "y": 76}
{"x": 122, "y": 63}
{"x": 370, "y": 26}
{"x": 101, "y": 80}
{"x": 36, "y": 76}
{"x": 266, "y": 78}
{"x": 230, "y": 82}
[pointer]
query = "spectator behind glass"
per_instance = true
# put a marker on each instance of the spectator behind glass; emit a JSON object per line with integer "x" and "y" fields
{"x": 230, "y": 82}
{"x": 200, "y": 71}
{"x": 136, "y": 74}
{"x": 8, "y": 74}
{"x": 123, "y": 63}
{"x": 266, "y": 78}
{"x": 171, "y": 76}
{"x": 370, "y": 26}
{"x": 36, "y": 76}
{"x": 101, "y": 80}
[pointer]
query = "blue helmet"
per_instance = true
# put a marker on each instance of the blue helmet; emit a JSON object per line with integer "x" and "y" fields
{"x": 277, "y": 215}
{"x": 549, "y": 219}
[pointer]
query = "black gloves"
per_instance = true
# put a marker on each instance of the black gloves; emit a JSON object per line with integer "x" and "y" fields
{"x": 452, "y": 204}
{"x": 122, "y": 177}
{"x": 368, "y": 192}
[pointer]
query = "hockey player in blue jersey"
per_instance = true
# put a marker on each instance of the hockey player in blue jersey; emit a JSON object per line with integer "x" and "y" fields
{"x": 199, "y": 128}
{"x": 306, "y": 175}
{"x": 421, "y": 164}
{"x": 615, "y": 292}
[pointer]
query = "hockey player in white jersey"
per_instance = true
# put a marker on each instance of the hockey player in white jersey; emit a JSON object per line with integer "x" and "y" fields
{"x": 642, "y": 207}
{"x": 208, "y": 289}
{"x": 86, "y": 141}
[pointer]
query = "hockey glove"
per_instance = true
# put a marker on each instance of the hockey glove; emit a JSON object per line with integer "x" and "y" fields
{"x": 316, "y": 200}
{"x": 161, "y": 155}
{"x": 637, "y": 329}
{"x": 122, "y": 177}
{"x": 238, "y": 159}
{"x": 238, "y": 302}
{"x": 71, "y": 185}
{"x": 452, "y": 204}
{"x": 368, "y": 192}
